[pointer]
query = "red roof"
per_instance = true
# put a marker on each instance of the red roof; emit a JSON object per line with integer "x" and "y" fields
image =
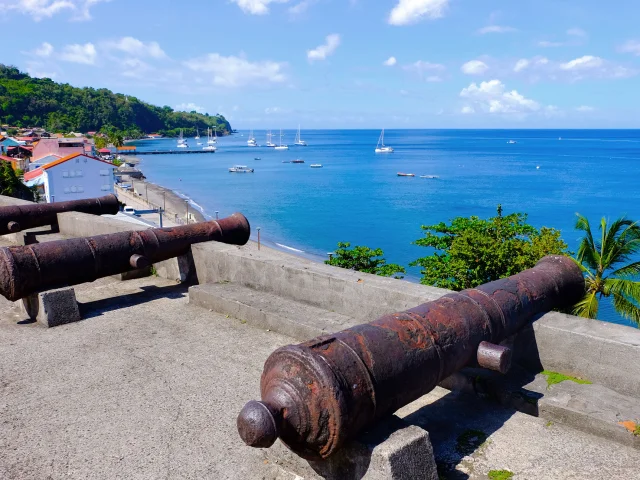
{"x": 8, "y": 159}
{"x": 104, "y": 150}
{"x": 39, "y": 171}
{"x": 26, "y": 139}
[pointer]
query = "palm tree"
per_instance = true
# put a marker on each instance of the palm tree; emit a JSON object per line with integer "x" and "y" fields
{"x": 609, "y": 267}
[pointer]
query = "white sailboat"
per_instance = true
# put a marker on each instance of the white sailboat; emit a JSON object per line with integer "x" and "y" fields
{"x": 281, "y": 147}
{"x": 197, "y": 134}
{"x": 269, "y": 138}
{"x": 210, "y": 147}
{"x": 210, "y": 139}
{"x": 381, "y": 148}
{"x": 182, "y": 143}
{"x": 299, "y": 141}
{"x": 252, "y": 141}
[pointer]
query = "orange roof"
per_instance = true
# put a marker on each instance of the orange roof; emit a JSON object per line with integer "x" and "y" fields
{"x": 39, "y": 171}
{"x": 126, "y": 148}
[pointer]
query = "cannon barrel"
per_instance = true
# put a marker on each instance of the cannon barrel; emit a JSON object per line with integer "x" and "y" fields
{"x": 15, "y": 218}
{"x": 319, "y": 394}
{"x": 34, "y": 268}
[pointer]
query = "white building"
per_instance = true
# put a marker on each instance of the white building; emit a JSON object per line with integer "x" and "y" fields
{"x": 73, "y": 177}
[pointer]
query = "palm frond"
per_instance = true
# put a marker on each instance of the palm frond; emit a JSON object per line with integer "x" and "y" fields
{"x": 587, "y": 307}
{"x": 627, "y": 308}
{"x": 620, "y": 286}
{"x": 614, "y": 241}
{"x": 631, "y": 270}
{"x": 588, "y": 251}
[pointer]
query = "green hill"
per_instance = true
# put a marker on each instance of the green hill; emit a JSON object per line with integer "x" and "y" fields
{"x": 35, "y": 102}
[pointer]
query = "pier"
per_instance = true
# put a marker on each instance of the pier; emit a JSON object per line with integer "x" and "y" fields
{"x": 170, "y": 152}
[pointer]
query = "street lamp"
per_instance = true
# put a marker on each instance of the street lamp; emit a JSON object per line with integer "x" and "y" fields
{"x": 331, "y": 254}
{"x": 187, "y": 202}
{"x": 216, "y": 214}
{"x": 258, "y": 238}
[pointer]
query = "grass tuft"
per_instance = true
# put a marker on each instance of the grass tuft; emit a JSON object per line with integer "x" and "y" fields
{"x": 500, "y": 474}
{"x": 554, "y": 378}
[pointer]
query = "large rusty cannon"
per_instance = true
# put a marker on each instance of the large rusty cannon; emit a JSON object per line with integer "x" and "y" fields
{"x": 15, "y": 218}
{"x": 319, "y": 394}
{"x": 35, "y": 268}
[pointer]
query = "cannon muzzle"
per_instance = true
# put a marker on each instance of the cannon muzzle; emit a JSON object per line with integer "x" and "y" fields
{"x": 15, "y": 218}
{"x": 319, "y": 394}
{"x": 34, "y": 268}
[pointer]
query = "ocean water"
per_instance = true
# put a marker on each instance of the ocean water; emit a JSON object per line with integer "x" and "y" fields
{"x": 357, "y": 196}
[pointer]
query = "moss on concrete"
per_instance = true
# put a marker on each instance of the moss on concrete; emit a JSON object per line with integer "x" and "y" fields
{"x": 554, "y": 378}
{"x": 636, "y": 431}
{"x": 500, "y": 474}
{"x": 469, "y": 441}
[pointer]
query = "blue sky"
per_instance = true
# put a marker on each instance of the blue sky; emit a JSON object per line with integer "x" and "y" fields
{"x": 346, "y": 63}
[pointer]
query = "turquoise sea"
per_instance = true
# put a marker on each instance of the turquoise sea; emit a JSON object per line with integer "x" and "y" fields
{"x": 358, "y": 197}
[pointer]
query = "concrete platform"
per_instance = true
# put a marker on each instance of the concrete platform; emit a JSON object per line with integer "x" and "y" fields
{"x": 148, "y": 386}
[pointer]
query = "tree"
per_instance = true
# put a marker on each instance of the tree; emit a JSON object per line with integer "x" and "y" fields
{"x": 472, "y": 251}
{"x": 100, "y": 142}
{"x": 364, "y": 259}
{"x": 609, "y": 268}
{"x": 11, "y": 186}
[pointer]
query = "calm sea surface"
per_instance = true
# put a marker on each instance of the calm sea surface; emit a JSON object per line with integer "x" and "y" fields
{"x": 358, "y": 197}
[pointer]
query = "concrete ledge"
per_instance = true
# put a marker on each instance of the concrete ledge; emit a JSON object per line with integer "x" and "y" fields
{"x": 393, "y": 450}
{"x": 359, "y": 295}
{"x": 53, "y": 307}
{"x": 601, "y": 352}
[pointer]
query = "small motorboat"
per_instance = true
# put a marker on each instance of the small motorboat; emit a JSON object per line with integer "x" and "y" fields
{"x": 297, "y": 160}
{"x": 511, "y": 142}
{"x": 316, "y": 165}
{"x": 240, "y": 169}
{"x": 257, "y": 158}
{"x": 210, "y": 148}
{"x": 406, "y": 174}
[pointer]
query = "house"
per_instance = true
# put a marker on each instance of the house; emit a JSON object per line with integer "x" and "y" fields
{"x": 126, "y": 150}
{"x": 60, "y": 146}
{"x": 52, "y": 157}
{"x": 73, "y": 177}
{"x": 15, "y": 162}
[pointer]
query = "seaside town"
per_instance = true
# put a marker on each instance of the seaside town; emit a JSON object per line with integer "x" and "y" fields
{"x": 314, "y": 240}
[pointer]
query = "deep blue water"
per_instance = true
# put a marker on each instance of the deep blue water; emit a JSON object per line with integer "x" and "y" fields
{"x": 358, "y": 197}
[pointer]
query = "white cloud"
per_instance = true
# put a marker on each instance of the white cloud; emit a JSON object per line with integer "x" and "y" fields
{"x": 137, "y": 48}
{"x": 493, "y": 97}
{"x": 390, "y": 62}
{"x": 585, "y": 108}
{"x": 427, "y": 71}
{"x": 576, "y": 32}
{"x": 256, "y": 7}
{"x": 474, "y": 67}
{"x": 41, "y": 9}
{"x": 467, "y": 110}
{"x": 583, "y": 63}
{"x": 525, "y": 63}
{"x": 407, "y": 12}
{"x": 632, "y": 46}
{"x": 44, "y": 50}
{"x": 301, "y": 8}
{"x": 136, "y": 68}
{"x": 238, "y": 71}
{"x": 189, "y": 107}
{"x": 321, "y": 52}
{"x": 76, "y": 53}
{"x": 272, "y": 110}
{"x": 496, "y": 29}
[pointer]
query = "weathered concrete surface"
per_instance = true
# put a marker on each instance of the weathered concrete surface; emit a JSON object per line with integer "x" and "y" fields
{"x": 147, "y": 386}
{"x": 53, "y": 307}
{"x": 359, "y": 295}
{"x": 602, "y": 352}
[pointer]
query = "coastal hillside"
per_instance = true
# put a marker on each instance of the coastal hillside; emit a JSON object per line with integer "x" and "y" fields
{"x": 41, "y": 102}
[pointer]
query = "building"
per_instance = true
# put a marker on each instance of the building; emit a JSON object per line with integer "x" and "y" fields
{"x": 73, "y": 177}
{"x": 61, "y": 146}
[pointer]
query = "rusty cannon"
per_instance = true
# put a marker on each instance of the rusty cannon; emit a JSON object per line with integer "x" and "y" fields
{"x": 15, "y": 218}
{"x": 35, "y": 268}
{"x": 319, "y": 394}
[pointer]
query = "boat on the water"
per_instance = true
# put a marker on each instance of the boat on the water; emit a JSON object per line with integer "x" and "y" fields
{"x": 406, "y": 174}
{"x": 269, "y": 138}
{"x": 511, "y": 142}
{"x": 210, "y": 148}
{"x": 211, "y": 140}
{"x": 381, "y": 147}
{"x": 252, "y": 141}
{"x": 297, "y": 160}
{"x": 257, "y": 158}
{"x": 240, "y": 169}
{"x": 197, "y": 137}
{"x": 282, "y": 147}
{"x": 316, "y": 165}
{"x": 299, "y": 142}
{"x": 182, "y": 143}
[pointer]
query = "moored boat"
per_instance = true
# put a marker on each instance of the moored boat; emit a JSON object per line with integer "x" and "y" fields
{"x": 381, "y": 147}
{"x": 316, "y": 165}
{"x": 297, "y": 160}
{"x": 406, "y": 174}
{"x": 240, "y": 169}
